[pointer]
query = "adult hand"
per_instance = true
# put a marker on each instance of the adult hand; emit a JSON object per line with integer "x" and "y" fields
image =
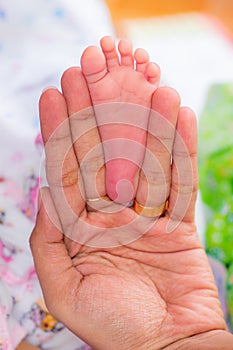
{"x": 116, "y": 278}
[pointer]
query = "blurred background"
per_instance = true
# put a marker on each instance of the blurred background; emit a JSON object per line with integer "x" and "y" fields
{"x": 120, "y": 9}
{"x": 192, "y": 41}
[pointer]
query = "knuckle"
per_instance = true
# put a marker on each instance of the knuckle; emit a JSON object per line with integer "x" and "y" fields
{"x": 155, "y": 177}
{"x": 91, "y": 164}
{"x": 184, "y": 188}
{"x": 69, "y": 177}
{"x": 83, "y": 115}
{"x": 61, "y": 135}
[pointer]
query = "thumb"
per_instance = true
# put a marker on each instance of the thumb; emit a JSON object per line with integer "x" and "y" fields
{"x": 52, "y": 261}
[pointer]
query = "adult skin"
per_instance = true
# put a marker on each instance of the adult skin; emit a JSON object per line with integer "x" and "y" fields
{"x": 153, "y": 292}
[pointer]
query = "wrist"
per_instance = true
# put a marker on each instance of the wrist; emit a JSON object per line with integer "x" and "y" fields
{"x": 212, "y": 340}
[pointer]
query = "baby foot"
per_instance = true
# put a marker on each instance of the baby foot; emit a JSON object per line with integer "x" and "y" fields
{"x": 119, "y": 91}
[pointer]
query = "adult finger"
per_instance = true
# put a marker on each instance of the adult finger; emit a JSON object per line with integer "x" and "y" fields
{"x": 155, "y": 175}
{"x": 84, "y": 131}
{"x": 61, "y": 164}
{"x": 184, "y": 184}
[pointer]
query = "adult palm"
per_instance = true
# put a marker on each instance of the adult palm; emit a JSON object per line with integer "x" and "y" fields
{"x": 142, "y": 295}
